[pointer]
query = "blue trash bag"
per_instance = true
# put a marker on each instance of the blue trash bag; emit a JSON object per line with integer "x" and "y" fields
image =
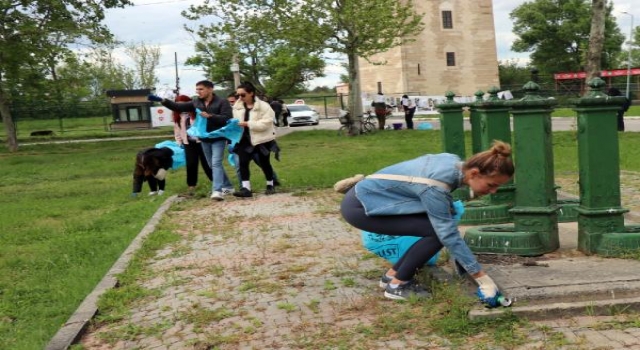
{"x": 232, "y": 131}
{"x": 391, "y": 248}
{"x": 178, "y": 157}
{"x": 425, "y": 126}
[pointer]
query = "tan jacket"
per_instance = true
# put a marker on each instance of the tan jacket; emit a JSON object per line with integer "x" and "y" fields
{"x": 261, "y": 127}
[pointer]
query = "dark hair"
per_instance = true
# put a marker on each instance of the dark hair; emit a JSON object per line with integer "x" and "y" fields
{"x": 176, "y": 115}
{"x": 150, "y": 165}
{"x": 495, "y": 160}
{"x": 405, "y": 96}
{"x": 247, "y": 86}
{"x": 233, "y": 94}
{"x": 206, "y": 83}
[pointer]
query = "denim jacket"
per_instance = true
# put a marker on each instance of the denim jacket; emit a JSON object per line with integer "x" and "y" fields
{"x": 390, "y": 197}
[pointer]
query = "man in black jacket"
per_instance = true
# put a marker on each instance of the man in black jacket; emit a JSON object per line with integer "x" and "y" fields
{"x": 217, "y": 111}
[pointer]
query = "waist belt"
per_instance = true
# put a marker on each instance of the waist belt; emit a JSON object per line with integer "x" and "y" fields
{"x": 411, "y": 179}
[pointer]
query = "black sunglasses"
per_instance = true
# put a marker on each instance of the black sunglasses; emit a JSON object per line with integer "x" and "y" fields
{"x": 242, "y": 95}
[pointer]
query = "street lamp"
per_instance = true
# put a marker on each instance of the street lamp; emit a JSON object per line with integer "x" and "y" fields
{"x": 629, "y": 58}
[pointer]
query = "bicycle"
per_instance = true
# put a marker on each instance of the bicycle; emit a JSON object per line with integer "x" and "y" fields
{"x": 367, "y": 127}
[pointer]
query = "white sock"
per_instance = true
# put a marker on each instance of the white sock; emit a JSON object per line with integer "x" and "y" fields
{"x": 270, "y": 183}
{"x": 394, "y": 285}
{"x": 247, "y": 185}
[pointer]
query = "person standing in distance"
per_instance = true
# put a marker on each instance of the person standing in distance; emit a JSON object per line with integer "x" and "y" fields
{"x": 217, "y": 111}
{"x": 409, "y": 107}
{"x": 404, "y": 207}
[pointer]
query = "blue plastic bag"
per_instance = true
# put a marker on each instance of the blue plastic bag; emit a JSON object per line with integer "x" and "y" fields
{"x": 178, "y": 157}
{"x": 425, "y": 126}
{"x": 391, "y": 248}
{"x": 232, "y": 131}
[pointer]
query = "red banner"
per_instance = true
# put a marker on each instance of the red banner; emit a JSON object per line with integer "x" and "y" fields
{"x": 603, "y": 74}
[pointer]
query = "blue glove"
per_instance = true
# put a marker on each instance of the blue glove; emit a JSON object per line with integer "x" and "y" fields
{"x": 496, "y": 301}
{"x": 458, "y": 206}
{"x": 154, "y": 98}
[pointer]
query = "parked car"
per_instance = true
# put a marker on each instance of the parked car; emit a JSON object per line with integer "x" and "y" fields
{"x": 302, "y": 115}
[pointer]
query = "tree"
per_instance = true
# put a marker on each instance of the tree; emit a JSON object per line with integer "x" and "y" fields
{"x": 272, "y": 64}
{"x": 35, "y": 35}
{"x": 513, "y": 75}
{"x": 557, "y": 34}
{"x": 145, "y": 59}
{"x": 353, "y": 28}
{"x": 596, "y": 39}
{"x": 635, "y": 49}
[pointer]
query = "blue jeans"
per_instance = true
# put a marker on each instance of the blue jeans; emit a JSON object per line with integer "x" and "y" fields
{"x": 214, "y": 152}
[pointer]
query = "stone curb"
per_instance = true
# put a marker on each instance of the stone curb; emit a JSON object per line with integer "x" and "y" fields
{"x": 77, "y": 323}
{"x": 560, "y": 310}
{"x": 565, "y": 309}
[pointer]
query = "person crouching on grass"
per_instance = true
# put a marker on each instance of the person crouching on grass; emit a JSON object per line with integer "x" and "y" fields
{"x": 405, "y": 207}
{"x": 151, "y": 166}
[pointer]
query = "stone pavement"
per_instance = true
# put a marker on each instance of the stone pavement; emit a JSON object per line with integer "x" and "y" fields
{"x": 285, "y": 272}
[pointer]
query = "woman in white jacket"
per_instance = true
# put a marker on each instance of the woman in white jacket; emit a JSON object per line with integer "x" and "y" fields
{"x": 256, "y": 116}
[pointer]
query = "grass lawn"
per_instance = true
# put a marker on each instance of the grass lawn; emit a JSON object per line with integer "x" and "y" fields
{"x": 68, "y": 215}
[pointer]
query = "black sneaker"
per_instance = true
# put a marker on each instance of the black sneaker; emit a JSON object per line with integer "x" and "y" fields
{"x": 270, "y": 190}
{"x": 384, "y": 281}
{"x": 243, "y": 193}
{"x": 406, "y": 291}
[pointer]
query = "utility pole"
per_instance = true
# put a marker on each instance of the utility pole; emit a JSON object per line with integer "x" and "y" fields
{"x": 177, "y": 77}
{"x": 235, "y": 66}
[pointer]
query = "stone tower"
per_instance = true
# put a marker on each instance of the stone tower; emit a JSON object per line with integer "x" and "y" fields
{"x": 456, "y": 51}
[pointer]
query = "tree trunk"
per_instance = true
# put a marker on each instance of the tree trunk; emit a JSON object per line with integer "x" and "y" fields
{"x": 596, "y": 39}
{"x": 355, "y": 99}
{"x": 9, "y": 126}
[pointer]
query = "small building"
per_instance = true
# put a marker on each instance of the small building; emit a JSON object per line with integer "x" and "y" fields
{"x": 130, "y": 109}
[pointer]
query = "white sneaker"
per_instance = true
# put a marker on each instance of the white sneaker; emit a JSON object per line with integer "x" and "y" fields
{"x": 226, "y": 191}
{"x": 218, "y": 196}
{"x": 160, "y": 192}
{"x": 153, "y": 193}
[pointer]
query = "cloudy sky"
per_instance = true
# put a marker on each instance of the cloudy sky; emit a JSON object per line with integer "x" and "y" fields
{"x": 158, "y": 22}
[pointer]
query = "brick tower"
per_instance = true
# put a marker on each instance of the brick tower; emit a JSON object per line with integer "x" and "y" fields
{"x": 456, "y": 51}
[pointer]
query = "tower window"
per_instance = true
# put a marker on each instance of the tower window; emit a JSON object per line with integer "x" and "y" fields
{"x": 447, "y": 20}
{"x": 451, "y": 59}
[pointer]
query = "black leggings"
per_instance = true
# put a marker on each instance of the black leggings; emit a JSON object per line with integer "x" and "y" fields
{"x": 408, "y": 117}
{"x": 264, "y": 163}
{"x": 155, "y": 184}
{"x": 417, "y": 225}
{"x": 193, "y": 155}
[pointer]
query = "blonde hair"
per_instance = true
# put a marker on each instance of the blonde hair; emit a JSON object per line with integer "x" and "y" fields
{"x": 495, "y": 160}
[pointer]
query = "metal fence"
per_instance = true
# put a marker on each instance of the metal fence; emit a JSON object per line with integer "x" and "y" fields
{"x": 61, "y": 118}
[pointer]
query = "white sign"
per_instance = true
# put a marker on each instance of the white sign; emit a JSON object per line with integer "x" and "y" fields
{"x": 161, "y": 116}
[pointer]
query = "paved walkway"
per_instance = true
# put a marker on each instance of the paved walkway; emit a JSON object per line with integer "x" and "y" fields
{"x": 285, "y": 272}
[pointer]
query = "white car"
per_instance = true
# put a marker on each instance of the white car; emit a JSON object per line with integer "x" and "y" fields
{"x": 302, "y": 115}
